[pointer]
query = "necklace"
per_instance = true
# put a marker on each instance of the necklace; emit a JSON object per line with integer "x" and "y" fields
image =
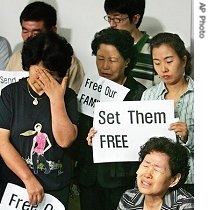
{"x": 35, "y": 101}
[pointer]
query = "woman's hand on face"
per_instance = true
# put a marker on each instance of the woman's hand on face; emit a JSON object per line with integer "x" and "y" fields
{"x": 91, "y": 134}
{"x": 53, "y": 89}
{"x": 180, "y": 128}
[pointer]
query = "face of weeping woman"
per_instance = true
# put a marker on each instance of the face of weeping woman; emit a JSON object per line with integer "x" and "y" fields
{"x": 34, "y": 76}
{"x": 154, "y": 175}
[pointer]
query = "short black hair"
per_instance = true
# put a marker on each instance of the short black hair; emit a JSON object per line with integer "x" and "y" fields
{"x": 121, "y": 40}
{"x": 49, "y": 48}
{"x": 40, "y": 11}
{"x": 129, "y": 7}
{"x": 177, "y": 153}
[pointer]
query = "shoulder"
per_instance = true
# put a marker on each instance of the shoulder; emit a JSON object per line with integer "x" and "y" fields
{"x": 70, "y": 93}
{"x": 180, "y": 198}
{"x": 5, "y": 48}
{"x": 131, "y": 198}
{"x": 136, "y": 89}
{"x": 14, "y": 87}
{"x": 15, "y": 62}
{"x": 153, "y": 92}
{"x": 16, "y": 54}
{"x": 76, "y": 61}
{"x": 3, "y": 41}
{"x": 131, "y": 83}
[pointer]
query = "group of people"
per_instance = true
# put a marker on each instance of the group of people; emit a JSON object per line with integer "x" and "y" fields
{"x": 45, "y": 142}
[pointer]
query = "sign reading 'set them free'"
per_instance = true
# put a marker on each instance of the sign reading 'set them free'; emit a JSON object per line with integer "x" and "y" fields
{"x": 122, "y": 127}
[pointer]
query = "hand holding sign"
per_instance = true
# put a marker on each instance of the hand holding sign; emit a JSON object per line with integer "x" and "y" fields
{"x": 16, "y": 197}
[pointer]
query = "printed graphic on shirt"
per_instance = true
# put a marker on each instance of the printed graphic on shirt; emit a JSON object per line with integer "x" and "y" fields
{"x": 41, "y": 144}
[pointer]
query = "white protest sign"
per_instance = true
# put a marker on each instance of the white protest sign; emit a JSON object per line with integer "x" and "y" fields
{"x": 16, "y": 198}
{"x": 95, "y": 89}
{"x": 122, "y": 127}
{"x": 8, "y": 77}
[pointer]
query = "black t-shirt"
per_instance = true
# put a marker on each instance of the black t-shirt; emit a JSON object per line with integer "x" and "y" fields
{"x": 31, "y": 134}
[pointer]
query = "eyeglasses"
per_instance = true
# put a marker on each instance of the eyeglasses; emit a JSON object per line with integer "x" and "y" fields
{"x": 114, "y": 19}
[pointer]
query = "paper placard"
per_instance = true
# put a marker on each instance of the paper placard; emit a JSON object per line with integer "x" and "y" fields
{"x": 16, "y": 198}
{"x": 97, "y": 89}
{"x": 8, "y": 77}
{"x": 122, "y": 127}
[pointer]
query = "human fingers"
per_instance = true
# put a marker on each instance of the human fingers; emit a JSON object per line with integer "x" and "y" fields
{"x": 64, "y": 82}
{"x": 90, "y": 136}
{"x": 35, "y": 191}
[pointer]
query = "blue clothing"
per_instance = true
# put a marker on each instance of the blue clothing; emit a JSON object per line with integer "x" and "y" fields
{"x": 5, "y": 52}
{"x": 184, "y": 110}
{"x": 175, "y": 200}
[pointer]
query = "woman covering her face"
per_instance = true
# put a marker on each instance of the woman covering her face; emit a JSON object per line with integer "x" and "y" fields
{"x": 38, "y": 121}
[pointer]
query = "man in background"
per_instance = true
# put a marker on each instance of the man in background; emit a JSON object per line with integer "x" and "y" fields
{"x": 128, "y": 15}
{"x": 35, "y": 18}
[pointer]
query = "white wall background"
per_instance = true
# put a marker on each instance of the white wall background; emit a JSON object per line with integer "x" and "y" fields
{"x": 78, "y": 20}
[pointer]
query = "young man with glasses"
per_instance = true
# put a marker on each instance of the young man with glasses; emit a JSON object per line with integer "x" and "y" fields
{"x": 128, "y": 15}
{"x": 35, "y": 18}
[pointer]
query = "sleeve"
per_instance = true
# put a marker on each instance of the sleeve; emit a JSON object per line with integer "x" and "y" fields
{"x": 128, "y": 200}
{"x": 72, "y": 106}
{"x": 15, "y": 62}
{"x": 5, "y": 53}
{"x": 5, "y": 109}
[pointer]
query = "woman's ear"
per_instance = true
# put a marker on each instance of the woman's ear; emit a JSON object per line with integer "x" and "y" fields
{"x": 175, "y": 180}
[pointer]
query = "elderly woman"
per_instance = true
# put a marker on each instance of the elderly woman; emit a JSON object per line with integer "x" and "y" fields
{"x": 101, "y": 185}
{"x": 38, "y": 121}
{"x": 160, "y": 176}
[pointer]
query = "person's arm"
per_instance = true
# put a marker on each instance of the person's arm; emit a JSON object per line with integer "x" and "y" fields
{"x": 64, "y": 131}
{"x": 15, "y": 162}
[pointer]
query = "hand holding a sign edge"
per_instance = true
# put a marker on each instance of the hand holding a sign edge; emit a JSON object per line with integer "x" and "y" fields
{"x": 91, "y": 134}
{"x": 114, "y": 61}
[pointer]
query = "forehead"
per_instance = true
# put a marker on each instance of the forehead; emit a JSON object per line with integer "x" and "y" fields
{"x": 158, "y": 158}
{"x": 115, "y": 14}
{"x": 107, "y": 48}
{"x": 32, "y": 25}
{"x": 163, "y": 50}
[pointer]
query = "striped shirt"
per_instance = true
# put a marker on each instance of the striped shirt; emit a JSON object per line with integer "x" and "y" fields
{"x": 143, "y": 71}
{"x": 184, "y": 110}
{"x": 178, "y": 199}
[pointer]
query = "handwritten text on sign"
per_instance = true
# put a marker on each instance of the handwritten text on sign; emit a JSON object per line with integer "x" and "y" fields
{"x": 122, "y": 127}
{"x": 8, "y": 77}
{"x": 16, "y": 197}
{"x": 97, "y": 89}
